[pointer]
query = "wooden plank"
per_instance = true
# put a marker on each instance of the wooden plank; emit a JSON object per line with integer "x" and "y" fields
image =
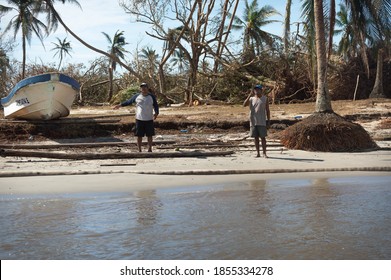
{"x": 118, "y": 164}
{"x": 119, "y": 155}
{"x": 66, "y": 121}
{"x": 79, "y": 145}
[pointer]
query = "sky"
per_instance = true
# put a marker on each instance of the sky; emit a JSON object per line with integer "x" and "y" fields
{"x": 107, "y": 16}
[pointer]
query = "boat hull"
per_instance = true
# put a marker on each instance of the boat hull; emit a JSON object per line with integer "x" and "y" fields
{"x": 43, "y": 97}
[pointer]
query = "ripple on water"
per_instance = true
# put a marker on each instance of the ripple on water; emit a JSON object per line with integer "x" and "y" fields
{"x": 327, "y": 218}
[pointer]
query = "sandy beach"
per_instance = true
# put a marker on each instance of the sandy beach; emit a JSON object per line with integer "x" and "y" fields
{"x": 17, "y": 173}
{"x": 31, "y": 175}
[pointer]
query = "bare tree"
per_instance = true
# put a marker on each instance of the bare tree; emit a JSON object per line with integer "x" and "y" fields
{"x": 195, "y": 35}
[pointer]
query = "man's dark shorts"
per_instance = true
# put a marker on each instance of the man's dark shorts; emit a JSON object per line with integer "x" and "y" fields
{"x": 144, "y": 128}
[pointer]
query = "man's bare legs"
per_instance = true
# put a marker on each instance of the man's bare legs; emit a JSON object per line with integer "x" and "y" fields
{"x": 149, "y": 143}
{"x": 256, "y": 141}
{"x": 140, "y": 142}
{"x": 263, "y": 140}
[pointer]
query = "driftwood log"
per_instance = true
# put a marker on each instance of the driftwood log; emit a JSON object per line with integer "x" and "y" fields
{"x": 119, "y": 155}
{"x": 79, "y": 145}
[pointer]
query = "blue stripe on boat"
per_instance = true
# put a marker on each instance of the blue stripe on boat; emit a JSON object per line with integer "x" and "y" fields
{"x": 39, "y": 79}
{"x": 69, "y": 81}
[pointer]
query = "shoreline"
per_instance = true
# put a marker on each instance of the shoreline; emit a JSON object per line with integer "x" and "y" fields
{"x": 40, "y": 174}
{"x": 26, "y": 175}
{"x": 91, "y": 184}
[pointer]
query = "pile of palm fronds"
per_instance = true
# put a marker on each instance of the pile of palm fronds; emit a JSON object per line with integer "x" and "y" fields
{"x": 327, "y": 132}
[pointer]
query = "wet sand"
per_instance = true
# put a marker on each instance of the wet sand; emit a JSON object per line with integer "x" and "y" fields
{"x": 18, "y": 175}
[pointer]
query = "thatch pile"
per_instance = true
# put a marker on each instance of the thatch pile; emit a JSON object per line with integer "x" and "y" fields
{"x": 327, "y": 132}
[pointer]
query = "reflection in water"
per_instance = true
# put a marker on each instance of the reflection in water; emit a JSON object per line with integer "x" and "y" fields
{"x": 279, "y": 219}
{"x": 147, "y": 207}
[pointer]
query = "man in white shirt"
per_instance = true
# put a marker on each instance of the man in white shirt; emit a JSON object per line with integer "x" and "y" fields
{"x": 147, "y": 111}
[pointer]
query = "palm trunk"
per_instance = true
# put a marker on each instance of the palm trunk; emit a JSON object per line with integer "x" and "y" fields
{"x": 287, "y": 28}
{"x": 332, "y": 24}
{"x": 24, "y": 56}
{"x": 323, "y": 101}
{"x": 110, "y": 95}
{"x": 162, "y": 88}
{"x": 219, "y": 49}
{"x": 377, "y": 91}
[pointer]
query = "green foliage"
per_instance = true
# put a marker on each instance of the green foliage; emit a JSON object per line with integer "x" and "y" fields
{"x": 125, "y": 94}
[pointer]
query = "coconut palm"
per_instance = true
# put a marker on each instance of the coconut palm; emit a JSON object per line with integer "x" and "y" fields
{"x": 47, "y": 6}
{"x": 371, "y": 22}
{"x": 252, "y": 22}
{"x": 116, "y": 50}
{"x": 53, "y": 19}
{"x": 379, "y": 37}
{"x": 287, "y": 24}
{"x": 26, "y": 22}
{"x": 323, "y": 100}
{"x": 180, "y": 60}
{"x": 347, "y": 46}
{"x": 325, "y": 130}
{"x": 366, "y": 24}
{"x": 62, "y": 49}
{"x": 150, "y": 56}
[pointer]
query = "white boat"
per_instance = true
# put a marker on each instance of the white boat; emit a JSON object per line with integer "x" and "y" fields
{"x": 43, "y": 97}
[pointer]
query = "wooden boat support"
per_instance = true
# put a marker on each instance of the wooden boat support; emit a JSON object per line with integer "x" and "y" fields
{"x": 119, "y": 155}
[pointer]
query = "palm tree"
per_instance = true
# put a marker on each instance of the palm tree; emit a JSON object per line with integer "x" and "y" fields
{"x": 287, "y": 25}
{"x": 309, "y": 30}
{"x": 325, "y": 130}
{"x": 254, "y": 19}
{"x": 62, "y": 49}
{"x": 47, "y": 6}
{"x": 117, "y": 50}
{"x": 359, "y": 11}
{"x": 26, "y": 21}
{"x": 180, "y": 60}
{"x": 367, "y": 23}
{"x": 323, "y": 100}
{"x": 151, "y": 57}
{"x": 4, "y": 64}
{"x": 379, "y": 30}
{"x": 347, "y": 46}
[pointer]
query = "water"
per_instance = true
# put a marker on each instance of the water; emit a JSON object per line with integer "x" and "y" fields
{"x": 330, "y": 218}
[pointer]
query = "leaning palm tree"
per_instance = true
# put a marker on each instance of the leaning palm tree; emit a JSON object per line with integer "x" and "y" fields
{"x": 252, "y": 22}
{"x": 26, "y": 22}
{"x": 47, "y": 6}
{"x": 62, "y": 49}
{"x": 117, "y": 50}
